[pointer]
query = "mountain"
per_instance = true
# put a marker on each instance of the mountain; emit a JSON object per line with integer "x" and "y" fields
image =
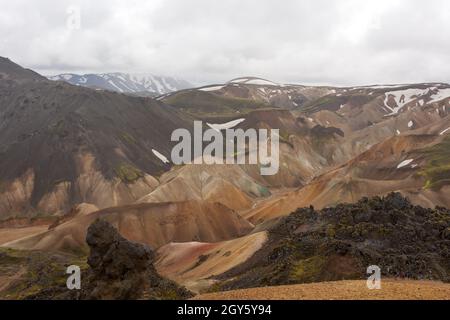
{"x": 71, "y": 154}
{"x": 63, "y": 145}
{"x": 378, "y": 151}
{"x": 242, "y": 95}
{"x": 135, "y": 84}
{"x": 154, "y": 224}
{"x": 10, "y": 71}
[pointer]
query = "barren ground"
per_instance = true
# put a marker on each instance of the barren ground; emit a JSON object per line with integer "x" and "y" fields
{"x": 11, "y": 234}
{"x": 341, "y": 290}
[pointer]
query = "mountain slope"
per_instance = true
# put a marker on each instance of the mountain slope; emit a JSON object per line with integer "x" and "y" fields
{"x": 62, "y": 145}
{"x": 193, "y": 264}
{"x": 415, "y": 165}
{"x": 154, "y": 224}
{"x": 10, "y": 71}
{"x": 242, "y": 95}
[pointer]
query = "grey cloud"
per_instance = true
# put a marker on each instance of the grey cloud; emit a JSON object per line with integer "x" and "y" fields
{"x": 327, "y": 41}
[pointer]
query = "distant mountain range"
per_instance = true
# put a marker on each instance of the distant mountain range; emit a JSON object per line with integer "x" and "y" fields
{"x": 136, "y": 84}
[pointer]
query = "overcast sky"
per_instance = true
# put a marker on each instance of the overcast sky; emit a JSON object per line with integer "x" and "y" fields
{"x": 340, "y": 42}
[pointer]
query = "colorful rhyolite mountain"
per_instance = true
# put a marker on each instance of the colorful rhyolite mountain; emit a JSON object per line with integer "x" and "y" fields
{"x": 71, "y": 154}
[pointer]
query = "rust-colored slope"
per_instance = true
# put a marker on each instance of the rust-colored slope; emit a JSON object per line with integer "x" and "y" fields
{"x": 191, "y": 264}
{"x": 153, "y": 224}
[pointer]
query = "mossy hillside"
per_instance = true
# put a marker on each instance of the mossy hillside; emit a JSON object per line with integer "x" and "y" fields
{"x": 437, "y": 170}
{"x": 128, "y": 138}
{"x": 333, "y": 103}
{"x": 40, "y": 272}
{"x": 206, "y": 103}
{"x": 128, "y": 173}
{"x": 307, "y": 270}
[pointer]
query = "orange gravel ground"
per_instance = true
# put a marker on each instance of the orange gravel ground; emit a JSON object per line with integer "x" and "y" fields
{"x": 391, "y": 289}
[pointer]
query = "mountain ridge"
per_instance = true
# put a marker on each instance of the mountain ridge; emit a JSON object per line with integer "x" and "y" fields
{"x": 62, "y": 144}
{"x": 140, "y": 84}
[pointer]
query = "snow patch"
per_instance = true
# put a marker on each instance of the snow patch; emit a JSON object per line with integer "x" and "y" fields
{"x": 224, "y": 126}
{"x": 402, "y": 98}
{"x": 388, "y": 86}
{"x": 441, "y": 95}
{"x": 405, "y": 163}
{"x": 160, "y": 156}
{"x": 214, "y": 88}
{"x": 444, "y": 132}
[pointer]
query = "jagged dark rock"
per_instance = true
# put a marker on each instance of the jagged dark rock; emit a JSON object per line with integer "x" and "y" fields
{"x": 339, "y": 243}
{"x": 120, "y": 269}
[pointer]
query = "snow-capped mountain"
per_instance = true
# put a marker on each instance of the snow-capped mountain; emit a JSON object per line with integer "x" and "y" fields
{"x": 139, "y": 84}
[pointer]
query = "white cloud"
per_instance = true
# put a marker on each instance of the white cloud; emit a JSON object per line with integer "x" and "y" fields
{"x": 322, "y": 41}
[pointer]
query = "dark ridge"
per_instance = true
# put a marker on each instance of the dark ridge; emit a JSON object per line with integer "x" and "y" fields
{"x": 320, "y": 131}
{"x": 120, "y": 269}
{"x": 12, "y": 71}
{"x": 45, "y": 125}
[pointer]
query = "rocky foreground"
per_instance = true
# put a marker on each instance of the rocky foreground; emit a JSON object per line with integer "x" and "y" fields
{"x": 307, "y": 247}
{"x": 116, "y": 269}
{"x": 341, "y": 242}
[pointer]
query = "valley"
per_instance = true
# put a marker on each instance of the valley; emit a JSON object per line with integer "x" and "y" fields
{"x": 364, "y": 178}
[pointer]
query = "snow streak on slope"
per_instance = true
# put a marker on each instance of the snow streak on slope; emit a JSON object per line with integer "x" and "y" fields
{"x": 403, "y": 97}
{"x": 444, "y": 132}
{"x": 224, "y": 126}
{"x": 441, "y": 95}
{"x": 160, "y": 156}
{"x": 405, "y": 163}
{"x": 213, "y": 88}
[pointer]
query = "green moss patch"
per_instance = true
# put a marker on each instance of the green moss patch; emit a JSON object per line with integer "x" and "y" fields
{"x": 127, "y": 173}
{"x": 437, "y": 170}
{"x": 199, "y": 103}
{"x": 308, "y": 270}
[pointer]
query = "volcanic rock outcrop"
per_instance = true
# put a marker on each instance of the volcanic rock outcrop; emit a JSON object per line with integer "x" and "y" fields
{"x": 120, "y": 269}
{"x": 341, "y": 242}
